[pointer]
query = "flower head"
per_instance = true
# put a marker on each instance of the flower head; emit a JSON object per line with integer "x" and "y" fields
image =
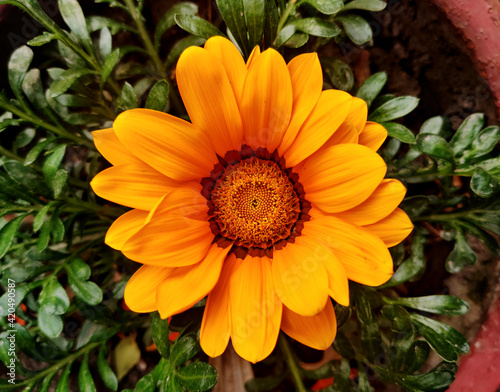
{"x": 268, "y": 201}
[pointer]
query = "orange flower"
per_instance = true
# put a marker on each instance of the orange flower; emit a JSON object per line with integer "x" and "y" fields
{"x": 268, "y": 201}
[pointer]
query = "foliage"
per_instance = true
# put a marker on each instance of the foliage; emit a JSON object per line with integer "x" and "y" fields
{"x": 71, "y": 320}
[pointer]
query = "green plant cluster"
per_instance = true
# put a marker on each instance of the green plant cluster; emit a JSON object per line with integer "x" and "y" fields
{"x": 71, "y": 322}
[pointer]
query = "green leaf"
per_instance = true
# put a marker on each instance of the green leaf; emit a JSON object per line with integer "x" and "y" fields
{"x": 399, "y": 316}
{"x": 271, "y": 21}
{"x": 160, "y": 335}
{"x": 371, "y": 340}
{"x": 341, "y": 378}
{"x": 182, "y": 45}
{"x": 324, "y": 371}
{"x": 461, "y": 255}
{"x": 317, "y": 27}
{"x": 105, "y": 43}
{"x": 399, "y": 132}
{"x": 482, "y": 183}
{"x": 284, "y": 35}
{"x": 145, "y": 384}
{"x": 403, "y": 335}
{"x": 19, "y": 63}
{"x": 50, "y": 324}
{"x": 71, "y": 100}
{"x": 72, "y": 15}
{"x": 233, "y": 13}
{"x": 436, "y": 380}
{"x": 80, "y": 268}
{"x": 297, "y": 40}
{"x": 32, "y": 87}
{"x": 7, "y": 234}
{"x": 184, "y": 348}
{"x": 95, "y": 23}
{"x": 343, "y": 346}
{"x": 127, "y": 99}
{"x": 445, "y": 340}
{"x": 329, "y": 7}
{"x": 254, "y": 16}
{"x": 110, "y": 64}
{"x": 372, "y": 87}
{"x": 107, "y": 374}
{"x": 393, "y": 109}
{"x": 167, "y": 20}
{"x": 88, "y": 292}
{"x": 197, "y": 377}
{"x": 158, "y": 96}
{"x": 263, "y": 384}
{"x": 466, "y": 133}
{"x": 24, "y": 138}
{"x": 367, "y": 5}
{"x": 197, "y": 26}
{"x": 437, "y": 125}
{"x": 416, "y": 356}
{"x": 483, "y": 144}
{"x": 339, "y": 73}
{"x": 438, "y": 304}
{"x": 62, "y": 383}
{"x": 53, "y": 161}
{"x": 43, "y": 39}
{"x": 36, "y": 150}
{"x": 85, "y": 380}
{"x": 435, "y": 146}
{"x": 53, "y": 298}
{"x": 356, "y": 28}
{"x": 66, "y": 80}
{"x": 173, "y": 384}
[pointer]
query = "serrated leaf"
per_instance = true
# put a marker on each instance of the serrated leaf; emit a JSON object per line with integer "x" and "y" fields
{"x": 356, "y": 28}
{"x": 7, "y": 234}
{"x": 50, "y": 324}
{"x": 145, "y": 384}
{"x": 167, "y": 20}
{"x": 435, "y": 146}
{"x": 72, "y": 14}
{"x": 328, "y": 7}
{"x": 197, "y": 377}
{"x": 481, "y": 183}
{"x": 317, "y": 27}
{"x": 367, "y": 5}
{"x": 127, "y": 99}
{"x": 197, "y": 26}
{"x": 66, "y": 80}
{"x": 438, "y": 304}
{"x": 43, "y": 39}
{"x": 445, "y": 340}
{"x": 85, "y": 380}
{"x": 107, "y": 374}
{"x": 399, "y": 132}
{"x": 394, "y": 108}
{"x": 160, "y": 335}
{"x": 184, "y": 348}
{"x": 53, "y": 298}
{"x": 19, "y": 63}
{"x": 127, "y": 354}
{"x": 372, "y": 87}
{"x": 466, "y": 133}
{"x": 158, "y": 96}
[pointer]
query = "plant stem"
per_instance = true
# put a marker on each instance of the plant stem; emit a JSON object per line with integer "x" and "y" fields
{"x": 451, "y": 215}
{"x": 289, "y": 8}
{"x": 143, "y": 33}
{"x": 292, "y": 363}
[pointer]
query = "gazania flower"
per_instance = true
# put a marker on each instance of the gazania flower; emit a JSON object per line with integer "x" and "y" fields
{"x": 268, "y": 201}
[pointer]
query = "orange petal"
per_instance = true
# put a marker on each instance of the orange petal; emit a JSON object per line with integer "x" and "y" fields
{"x": 255, "y": 53}
{"x": 112, "y": 149}
{"x": 341, "y": 177}
{"x": 358, "y": 113}
{"x": 232, "y": 61}
{"x": 266, "y": 103}
{"x": 329, "y": 112}
{"x": 194, "y": 282}
{"x": 208, "y": 95}
{"x": 170, "y": 241}
{"x": 186, "y": 201}
{"x": 307, "y": 83}
{"x": 300, "y": 276}
{"x": 338, "y": 284}
{"x": 373, "y": 135}
{"x": 255, "y": 309}
{"x": 140, "y": 292}
{"x": 170, "y": 145}
{"x": 380, "y": 204}
{"x": 393, "y": 229}
{"x": 134, "y": 185}
{"x": 364, "y": 256}
{"x": 314, "y": 331}
{"x": 346, "y": 133}
{"x": 215, "y": 327}
{"x": 125, "y": 227}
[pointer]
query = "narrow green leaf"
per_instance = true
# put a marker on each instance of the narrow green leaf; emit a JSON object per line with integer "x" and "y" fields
{"x": 158, "y": 96}
{"x": 71, "y": 100}
{"x": 197, "y": 26}
{"x": 416, "y": 356}
{"x": 356, "y": 28}
{"x": 431, "y": 381}
{"x": 317, "y": 27}
{"x": 62, "y": 384}
{"x": 399, "y": 132}
{"x": 372, "y": 87}
{"x": 7, "y": 234}
{"x": 145, "y": 384}
{"x": 184, "y": 348}
{"x": 72, "y": 14}
{"x": 233, "y": 13}
{"x": 284, "y": 35}
{"x": 438, "y": 304}
{"x": 19, "y": 63}
{"x": 343, "y": 346}
{"x": 481, "y": 183}
{"x": 56, "y": 228}
{"x": 160, "y": 335}
{"x": 85, "y": 380}
{"x": 466, "y": 133}
{"x": 180, "y": 46}
{"x": 110, "y": 64}
{"x": 371, "y": 340}
{"x": 107, "y": 374}
{"x": 53, "y": 298}
{"x": 66, "y": 80}
{"x": 197, "y": 377}
{"x": 127, "y": 99}
{"x": 393, "y": 109}
{"x": 254, "y": 16}
{"x": 484, "y": 143}
{"x": 167, "y": 20}
{"x": 24, "y": 138}
{"x": 325, "y": 7}
{"x": 434, "y": 146}
{"x": 43, "y": 39}
{"x": 297, "y": 40}
{"x": 32, "y": 87}
{"x": 367, "y": 5}
{"x": 44, "y": 387}
{"x": 50, "y": 324}
{"x": 53, "y": 161}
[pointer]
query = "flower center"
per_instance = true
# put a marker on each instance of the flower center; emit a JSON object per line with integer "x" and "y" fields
{"x": 255, "y": 203}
